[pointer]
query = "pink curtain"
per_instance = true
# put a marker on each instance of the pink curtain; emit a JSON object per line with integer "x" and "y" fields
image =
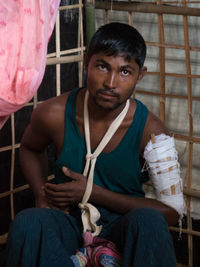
{"x": 25, "y": 29}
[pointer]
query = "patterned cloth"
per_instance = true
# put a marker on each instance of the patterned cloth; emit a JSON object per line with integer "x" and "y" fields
{"x": 97, "y": 252}
{"x": 25, "y": 28}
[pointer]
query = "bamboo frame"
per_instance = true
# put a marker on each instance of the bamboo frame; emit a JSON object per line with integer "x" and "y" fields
{"x": 147, "y": 8}
{"x": 76, "y": 55}
{"x": 190, "y": 149}
{"x": 162, "y": 63}
{"x": 90, "y": 19}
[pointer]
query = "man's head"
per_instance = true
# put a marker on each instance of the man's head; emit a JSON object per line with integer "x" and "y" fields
{"x": 118, "y": 39}
{"x": 114, "y": 65}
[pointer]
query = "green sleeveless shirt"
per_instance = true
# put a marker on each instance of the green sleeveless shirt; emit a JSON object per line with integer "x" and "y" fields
{"x": 118, "y": 170}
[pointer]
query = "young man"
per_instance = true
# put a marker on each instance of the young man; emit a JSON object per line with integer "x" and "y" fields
{"x": 50, "y": 234}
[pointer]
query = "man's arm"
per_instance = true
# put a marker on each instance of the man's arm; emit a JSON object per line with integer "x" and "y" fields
{"x": 71, "y": 193}
{"x": 34, "y": 165}
{"x": 45, "y": 127}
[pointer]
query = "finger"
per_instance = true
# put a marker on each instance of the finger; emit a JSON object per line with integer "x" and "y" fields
{"x": 57, "y": 188}
{"x": 55, "y": 204}
{"x": 53, "y": 192}
{"x": 58, "y": 200}
{"x": 72, "y": 174}
{"x": 52, "y": 187}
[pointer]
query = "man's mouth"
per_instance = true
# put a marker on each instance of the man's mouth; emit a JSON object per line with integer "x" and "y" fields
{"x": 108, "y": 93}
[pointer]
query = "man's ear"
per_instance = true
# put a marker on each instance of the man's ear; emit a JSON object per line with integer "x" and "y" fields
{"x": 142, "y": 72}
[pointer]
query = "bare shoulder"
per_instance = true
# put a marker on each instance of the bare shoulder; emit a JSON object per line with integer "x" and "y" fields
{"x": 49, "y": 112}
{"x": 47, "y": 122}
{"x": 153, "y": 126}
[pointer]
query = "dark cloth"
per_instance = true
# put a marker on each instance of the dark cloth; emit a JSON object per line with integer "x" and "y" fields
{"x": 42, "y": 238}
{"x": 47, "y": 238}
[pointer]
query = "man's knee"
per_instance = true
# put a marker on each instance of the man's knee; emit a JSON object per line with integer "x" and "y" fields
{"x": 28, "y": 219}
{"x": 146, "y": 218}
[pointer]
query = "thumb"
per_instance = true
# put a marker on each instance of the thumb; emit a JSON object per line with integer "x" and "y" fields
{"x": 69, "y": 173}
{"x": 66, "y": 171}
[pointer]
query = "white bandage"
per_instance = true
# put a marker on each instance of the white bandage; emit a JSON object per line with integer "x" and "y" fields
{"x": 164, "y": 170}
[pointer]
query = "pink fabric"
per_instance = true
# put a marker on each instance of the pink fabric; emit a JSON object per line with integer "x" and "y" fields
{"x": 25, "y": 28}
{"x": 97, "y": 246}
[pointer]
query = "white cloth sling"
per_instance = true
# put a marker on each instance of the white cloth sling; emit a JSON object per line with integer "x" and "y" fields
{"x": 90, "y": 215}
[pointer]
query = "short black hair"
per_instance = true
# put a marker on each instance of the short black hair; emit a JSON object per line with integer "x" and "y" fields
{"x": 118, "y": 38}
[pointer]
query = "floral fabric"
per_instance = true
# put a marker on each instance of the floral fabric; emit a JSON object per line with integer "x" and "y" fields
{"x": 25, "y": 28}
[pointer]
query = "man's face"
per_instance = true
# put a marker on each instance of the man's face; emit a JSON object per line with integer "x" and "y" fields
{"x": 111, "y": 79}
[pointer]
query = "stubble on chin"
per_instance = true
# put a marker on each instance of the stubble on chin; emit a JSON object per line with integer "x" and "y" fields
{"x": 106, "y": 107}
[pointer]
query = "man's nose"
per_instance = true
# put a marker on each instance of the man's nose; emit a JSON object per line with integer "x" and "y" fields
{"x": 110, "y": 80}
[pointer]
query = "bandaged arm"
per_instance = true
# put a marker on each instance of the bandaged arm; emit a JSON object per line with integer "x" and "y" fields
{"x": 164, "y": 171}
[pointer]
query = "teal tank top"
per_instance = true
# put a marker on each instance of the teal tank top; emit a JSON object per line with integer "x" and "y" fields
{"x": 118, "y": 170}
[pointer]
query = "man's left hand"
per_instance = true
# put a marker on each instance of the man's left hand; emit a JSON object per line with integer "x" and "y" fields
{"x": 66, "y": 194}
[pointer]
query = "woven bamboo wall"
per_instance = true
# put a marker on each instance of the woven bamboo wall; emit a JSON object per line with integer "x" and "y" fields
{"x": 170, "y": 89}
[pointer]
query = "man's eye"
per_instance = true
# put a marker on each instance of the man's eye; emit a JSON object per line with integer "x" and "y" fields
{"x": 125, "y": 72}
{"x": 102, "y": 67}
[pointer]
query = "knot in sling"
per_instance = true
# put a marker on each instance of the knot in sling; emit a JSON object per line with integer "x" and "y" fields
{"x": 90, "y": 214}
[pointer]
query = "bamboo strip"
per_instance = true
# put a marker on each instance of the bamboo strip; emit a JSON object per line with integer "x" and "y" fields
{"x": 191, "y": 192}
{"x": 64, "y": 60}
{"x": 106, "y": 17}
{"x": 181, "y": 47}
{"x": 67, "y": 52}
{"x": 61, "y": 8}
{"x": 186, "y": 138}
{"x": 189, "y": 227}
{"x": 7, "y": 148}
{"x": 12, "y": 165}
{"x": 185, "y": 231}
{"x": 175, "y": 2}
{"x": 35, "y": 102}
{"x": 130, "y": 16}
{"x": 178, "y": 2}
{"x": 176, "y": 75}
{"x": 188, "y": 66}
{"x": 90, "y": 19}
{"x": 162, "y": 64}
{"x": 13, "y": 191}
{"x": 190, "y": 147}
{"x": 20, "y": 188}
{"x": 158, "y": 94}
{"x": 147, "y": 8}
{"x": 58, "y": 82}
{"x": 80, "y": 44}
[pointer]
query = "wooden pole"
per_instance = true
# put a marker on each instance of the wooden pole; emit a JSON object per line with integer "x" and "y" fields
{"x": 161, "y": 37}
{"x": 90, "y": 19}
{"x": 190, "y": 146}
{"x": 147, "y": 8}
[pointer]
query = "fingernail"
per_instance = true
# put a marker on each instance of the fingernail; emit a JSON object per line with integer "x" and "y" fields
{"x": 65, "y": 169}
